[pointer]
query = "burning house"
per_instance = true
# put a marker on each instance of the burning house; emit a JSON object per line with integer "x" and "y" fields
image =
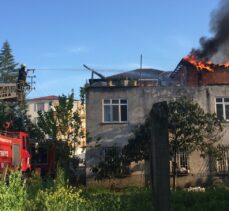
{"x": 116, "y": 104}
{"x": 189, "y": 72}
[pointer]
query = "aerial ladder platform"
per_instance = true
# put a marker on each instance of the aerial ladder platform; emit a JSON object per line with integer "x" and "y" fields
{"x": 8, "y": 91}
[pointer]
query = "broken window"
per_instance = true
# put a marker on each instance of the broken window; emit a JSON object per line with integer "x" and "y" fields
{"x": 222, "y": 108}
{"x": 115, "y": 110}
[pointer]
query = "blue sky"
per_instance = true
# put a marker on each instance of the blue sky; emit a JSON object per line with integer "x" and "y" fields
{"x": 57, "y": 36}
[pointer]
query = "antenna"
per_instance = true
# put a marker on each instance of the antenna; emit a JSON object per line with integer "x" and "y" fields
{"x": 141, "y": 61}
{"x": 140, "y": 66}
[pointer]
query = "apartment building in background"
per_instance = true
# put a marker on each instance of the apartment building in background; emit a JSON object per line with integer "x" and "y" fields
{"x": 45, "y": 103}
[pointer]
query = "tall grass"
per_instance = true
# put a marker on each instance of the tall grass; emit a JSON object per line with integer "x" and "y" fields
{"x": 48, "y": 194}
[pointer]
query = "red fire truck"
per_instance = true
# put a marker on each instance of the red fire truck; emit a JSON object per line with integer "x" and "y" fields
{"x": 14, "y": 151}
{"x": 14, "y": 146}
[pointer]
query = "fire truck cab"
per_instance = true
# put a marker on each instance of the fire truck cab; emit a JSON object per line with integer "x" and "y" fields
{"x": 14, "y": 151}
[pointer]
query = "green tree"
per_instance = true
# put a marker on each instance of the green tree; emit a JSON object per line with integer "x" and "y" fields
{"x": 63, "y": 126}
{"x": 190, "y": 128}
{"x": 7, "y": 64}
{"x": 83, "y": 90}
{"x": 15, "y": 113}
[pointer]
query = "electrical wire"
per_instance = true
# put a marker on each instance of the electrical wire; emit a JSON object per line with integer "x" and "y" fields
{"x": 79, "y": 69}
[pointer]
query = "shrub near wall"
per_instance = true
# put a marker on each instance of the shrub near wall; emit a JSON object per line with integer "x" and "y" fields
{"x": 52, "y": 196}
{"x": 211, "y": 200}
{"x": 129, "y": 199}
{"x": 13, "y": 196}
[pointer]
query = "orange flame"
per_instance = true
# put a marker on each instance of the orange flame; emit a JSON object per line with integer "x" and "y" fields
{"x": 202, "y": 65}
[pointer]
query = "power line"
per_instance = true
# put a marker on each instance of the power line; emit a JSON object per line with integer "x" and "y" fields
{"x": 79, "y": 69}
{"x": 83, "y": 70}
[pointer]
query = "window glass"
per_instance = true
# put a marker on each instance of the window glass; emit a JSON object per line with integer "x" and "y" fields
{"x": 123, "y": 101}
{"x": 115, "y": 101}
{"x": 226, "y": 99}
{"x": 112, "y": 154}
{"x": 223, "y": 163}
{"x": 183, "y": 160}
{"x": 40, "y": 107}
{"x": 227, "y": 111}
{"x": 219, "y": 111}
{"x": 115, "y": 113}
{"x": 123, "y": 113}
{"x": 115, "y": 110}
{"x": 219, "y": 100}
{"x": 106, "y": 101}
{"x": 107, "y": 113}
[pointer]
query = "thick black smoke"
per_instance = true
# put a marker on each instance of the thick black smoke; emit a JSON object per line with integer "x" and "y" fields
{"x": 216, "y": 48}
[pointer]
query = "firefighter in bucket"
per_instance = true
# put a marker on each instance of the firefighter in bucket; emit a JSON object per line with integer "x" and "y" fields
{"x": 22, "y": 78}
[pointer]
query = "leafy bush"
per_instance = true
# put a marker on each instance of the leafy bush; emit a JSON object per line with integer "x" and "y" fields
{"x": 130, "y": 199}
{"x": 60, "y": 199}
{"x": 57, "y": 195}
{"x": 13, "y": 195}
{"x": 212, "y": 199}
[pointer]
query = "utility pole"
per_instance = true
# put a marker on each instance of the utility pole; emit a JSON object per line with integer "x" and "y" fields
{"x": 159, "y": 157}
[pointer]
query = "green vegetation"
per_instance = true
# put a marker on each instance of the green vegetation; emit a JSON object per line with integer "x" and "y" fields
{"x": 35, "y": 194}
{"x": 189, "y": 129}
{"x": 62, "y": 124}
{"x": 8, "y": 72}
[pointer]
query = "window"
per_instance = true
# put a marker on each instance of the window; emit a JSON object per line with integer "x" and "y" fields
{"x": 183, "y": 160}
{"x": 40, "y": 106}
{"x": 222, "y": 108}
{"x": 115, "y": 162}
{"x": 223, "y": 163}
{"x": 115, "y": 110}
{"x": 182, "y": 163}
{"x": 112, "y": 153}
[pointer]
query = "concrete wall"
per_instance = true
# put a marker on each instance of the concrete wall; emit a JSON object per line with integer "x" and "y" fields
{"x": 140, "y": 101}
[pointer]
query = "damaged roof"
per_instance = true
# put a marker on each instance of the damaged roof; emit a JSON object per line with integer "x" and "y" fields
{"x": 163, "y": 77}
{"x": 138, "y": 74}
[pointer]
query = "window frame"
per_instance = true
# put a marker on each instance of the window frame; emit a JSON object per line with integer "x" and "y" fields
{"x": 183, "y": 159}
{"x": 223, "y": 103}
{"x": 115, "y": 153}
{"x": 222, "y": 165}
{"x": 111, "y": 104}
{"x": 38, "y": 106}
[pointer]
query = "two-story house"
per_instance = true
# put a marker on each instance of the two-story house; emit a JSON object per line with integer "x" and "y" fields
{"x": 116, "y": 104}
